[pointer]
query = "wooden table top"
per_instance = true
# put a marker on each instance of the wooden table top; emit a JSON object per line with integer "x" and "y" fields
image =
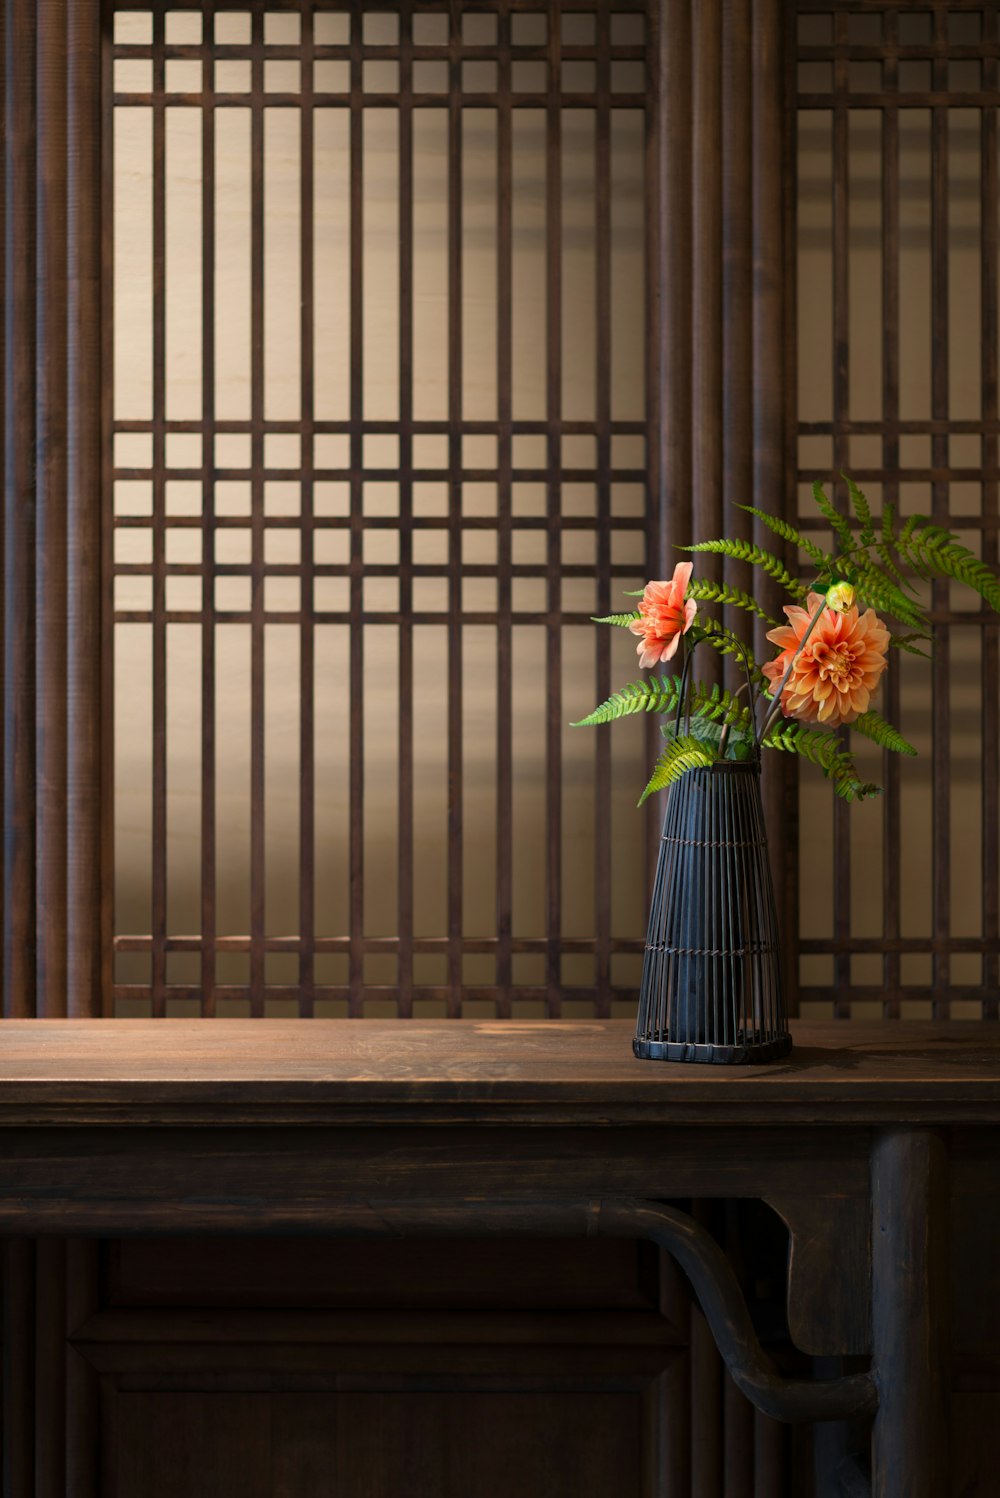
{"x": 373, "y": 1071}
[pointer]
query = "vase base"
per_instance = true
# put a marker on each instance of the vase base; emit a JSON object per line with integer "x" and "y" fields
{"x": 749, "y": 1053}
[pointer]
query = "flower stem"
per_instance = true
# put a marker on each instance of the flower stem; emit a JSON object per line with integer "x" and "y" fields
{"x": 776, "y": 709}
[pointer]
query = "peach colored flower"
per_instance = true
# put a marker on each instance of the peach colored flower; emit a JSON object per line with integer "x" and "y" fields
{"x": 833, "y": 679}
{"x": 664, "y": 617}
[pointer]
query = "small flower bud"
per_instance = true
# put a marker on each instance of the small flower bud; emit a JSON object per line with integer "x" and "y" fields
{"x": 840, "y": 598}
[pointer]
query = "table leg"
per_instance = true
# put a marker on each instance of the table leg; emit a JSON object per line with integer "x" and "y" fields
{"x": 911, "y": 1314}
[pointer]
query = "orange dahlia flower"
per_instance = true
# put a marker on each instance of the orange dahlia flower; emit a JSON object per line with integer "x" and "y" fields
{"x": 665, "y": 616}
{"x": 833, "y": 679}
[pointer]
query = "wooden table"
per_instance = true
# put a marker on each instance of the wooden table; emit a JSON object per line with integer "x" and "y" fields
{"x": 862, "y": 1141}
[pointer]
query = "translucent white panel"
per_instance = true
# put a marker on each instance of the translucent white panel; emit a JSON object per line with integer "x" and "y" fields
{"x": 630, "y": 769}
{"x": 479, "y": 264}
{"x": 815, "y": 264}
{"x": 579, "y": 266}
{"x": 914, "y": 263}
{"x": 528, "y": 312}
{"x": 381, "y": 803}
{"x": 332, "y": 751}
{"x": 381, "y": 274}
{"x": 232, "y": 771}
{"x": 183, "y": 263}
{"x": 529, "y": 789}
{"x": 282, "y": 265}
{"x": 628, "y": 265}
{"x": 232, "y": 264}
{"x": 133, "y": 777}
{"x": 430, "y": 264}
{"x": 331, "y": 280}
{"x": 184, "y": 777}
{"x": 479, "y": 771}
{"x": 578, "y": 776}
{"x": 430, "y": 781}
{"x": 133, "y": 286}
{"x": 865, "y": 263}
{"x": 964, "y": 265}
{"x": 282, "y": 759}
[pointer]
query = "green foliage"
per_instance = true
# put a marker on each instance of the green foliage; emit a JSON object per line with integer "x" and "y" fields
{"x": 884, "y": 543}
{"x": 726, "y": 642}
{"x": 878, "y": 591}
{"x": 622, "y": 620}
{"x": 787, "y": 532}
{"x": 708, "y": 592}
{"x": 862, "y": 510}
{"x": 745, "y": 551}
{"x": 649, "y": 696}
{"x": 875, "y": 727}
{"x": 679, "y": 756}
{"x": 825, "y": 750}
{"x": 905, "y": 642}
{"x": 933, "y": 551}
{"x": 838, "y": 523}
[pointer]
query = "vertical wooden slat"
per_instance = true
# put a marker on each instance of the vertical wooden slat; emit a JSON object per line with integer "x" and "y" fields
{"x": 405, "y": 729}
{"x": 773, "y": 352}
{"x": 553, "y": 602}
{"x": 105, "y": 441}
{"x": 159, "y": 788}
{"x": 891, "y": 870}
{"x": 505, "y": 766}
{"x": 307, "y": 637}
{"x": 841, "y": 464}
{"x": 257, "y": 722}
{"x": 50, "y": 1368}
{"x": 455, "y": 512}
{"x": 737, "y": 268}
{"x": 357, "y": 740}
{"x": 602, "y": 665}
{"x": 208, "y": 626}
{"x": 940, "y": 733}
{"x": 86, "y": 807}
{"x": 83, "y": 1426}
{"x": 50, "y": 510}
{"x": 19, "y": 513}
{"x": 706, "y": 293}
{"x": 18, "y": 1384}
{"x": 990, "y": 311}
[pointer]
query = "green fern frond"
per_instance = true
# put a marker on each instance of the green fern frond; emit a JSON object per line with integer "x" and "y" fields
{"x": 884, "y": 543}
{"x": 706, "y": 591}
{"x": 862, "y": 510}
{"x": 879, "y": 591}
{"x": 678, "y": 757}
{"x": 875, "y": 727}
{"x": 745, "y": 551}
{"x": 826, "y": 751}
{"x": 819, "y": 559}
{"x": 935, "y": 552}
{"x": 838, "y": 523}
{"x": 905, "y": 642}
{"x": 622, "y": 620}
{"x": 650, "y": 696}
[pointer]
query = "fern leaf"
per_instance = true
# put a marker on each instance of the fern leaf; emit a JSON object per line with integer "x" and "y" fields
{"x": 880, "y": 592}
{"x": 650, "y": 696}
{"x": 936, "y": 552}
{"x": 787, "y": 532}
{"x": 862, "y": 510}
{"x": 745, "y": 551}
{"x": 726, "y": 642}
{"x": 706, "y": 591}
{"x": 824, "y": 750}
{"x": 622, "y": 620}
{"x": 678, "y": 757}
{"x": 875, "y": 727}
{"x": 838, "y": 523}
{"x": 905, "y": 642}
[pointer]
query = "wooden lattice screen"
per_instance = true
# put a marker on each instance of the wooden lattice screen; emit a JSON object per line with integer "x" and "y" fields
{"x": 381, "y": 447}
{"x": 897, "y": 383}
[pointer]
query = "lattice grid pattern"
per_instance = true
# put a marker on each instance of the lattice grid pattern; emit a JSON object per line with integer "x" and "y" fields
{"x": 380, "y": 442}
{"x": 897, "y": 383}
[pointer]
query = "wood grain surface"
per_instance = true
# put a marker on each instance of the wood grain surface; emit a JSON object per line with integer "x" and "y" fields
{"x": 76, "y": 1071}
